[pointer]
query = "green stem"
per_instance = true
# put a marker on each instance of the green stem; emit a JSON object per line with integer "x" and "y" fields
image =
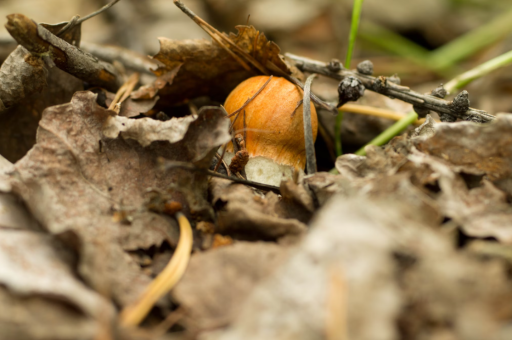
{"x": 479, "y": 71}
{"x": 356, "y": 15}
{"x": 391, "y": 132}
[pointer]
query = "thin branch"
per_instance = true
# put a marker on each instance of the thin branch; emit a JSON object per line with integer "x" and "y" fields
{"x": 308, "y": 128}
{"x": 76, "y": 20}
{"x": 41, "y": 42}
{"x": 385, "y": 87}
{"x": 191, "y": 167}
{"x": 130, "y": 59}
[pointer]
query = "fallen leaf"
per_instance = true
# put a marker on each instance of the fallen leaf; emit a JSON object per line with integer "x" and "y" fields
{"x": 241, "y": 212}
{"x": 39, "y": 289}
{"x": 194, "y": 68}
{"x": 218, "y": 281}
{"x": 76, "y": 177}
{"x": 384, "y": 270}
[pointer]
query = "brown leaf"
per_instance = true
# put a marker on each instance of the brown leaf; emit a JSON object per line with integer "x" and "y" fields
{"x": 41, "y": 289}
{"x": 256, "y": 44}
{"x": 218, "y": 281}
{"x": 474, "y": 148}
{"x": 75, "y": 177}
{"x": 366, "y": 266}
{"x": 18, "y": 125}
{"x": 241, "y": 212}
{"x": 205, "y": 69}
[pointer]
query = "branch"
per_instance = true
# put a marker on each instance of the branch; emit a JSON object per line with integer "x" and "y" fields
{"x": 447, "y": 110}
{"x": 42, "y": 43}
{"x": 166, "y": 164}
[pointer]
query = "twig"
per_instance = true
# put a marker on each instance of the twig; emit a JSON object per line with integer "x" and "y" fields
{"x": 221, "y": 39}
{"x": 124, "y": 92}
{"x": 382, "y": 86}
{"x": 40, "y": 42}
{"x": 308, "y": 128}
{"x": 191, "y": 167}
{"x": 133, "y": 314}
{"x": 221, "y": 160}
{"x": 76, "y": 20}
{"x": 130, "y": 59}
{"x": 314, "y": 98}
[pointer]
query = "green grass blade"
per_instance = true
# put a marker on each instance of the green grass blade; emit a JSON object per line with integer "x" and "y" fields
{"x": 481, "y": 70}
{"x": 356, "y": 16}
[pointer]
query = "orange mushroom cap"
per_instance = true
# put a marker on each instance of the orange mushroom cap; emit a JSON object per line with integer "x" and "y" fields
{"x": 275, "y": 128}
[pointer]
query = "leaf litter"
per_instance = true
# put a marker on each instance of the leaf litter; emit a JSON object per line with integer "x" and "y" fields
{"x": 411, "y": 241}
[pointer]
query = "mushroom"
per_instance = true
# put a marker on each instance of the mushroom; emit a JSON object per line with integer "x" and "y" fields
{"x": 274, "y": 127}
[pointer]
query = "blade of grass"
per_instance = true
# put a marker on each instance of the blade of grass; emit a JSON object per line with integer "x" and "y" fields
{"x": 481, "y": 70}
{"x": 354, "y": 25}
{"x": 356, "y": 15}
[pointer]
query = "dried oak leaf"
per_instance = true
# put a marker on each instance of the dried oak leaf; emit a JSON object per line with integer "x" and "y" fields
{"x": 358, "y": 273}
{"x": 242, "y": 213}
{"x": 40, "y": 296}
{"x": 217, "y": 282}
{"x": 89, "y": 163}
{"x": 194, "y": 68}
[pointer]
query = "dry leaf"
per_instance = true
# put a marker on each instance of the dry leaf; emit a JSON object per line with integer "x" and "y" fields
{"x": 217, "y": 282}
{"x": 75, "y": 178}
{"x": 194, "y": 68}
{"x": 384, "y": 269}
{"x": 39, "y": 289}
{"x": 241, "y": 212}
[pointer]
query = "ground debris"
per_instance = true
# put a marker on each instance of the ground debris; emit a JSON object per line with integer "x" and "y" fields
{"x": 75, "y": 179}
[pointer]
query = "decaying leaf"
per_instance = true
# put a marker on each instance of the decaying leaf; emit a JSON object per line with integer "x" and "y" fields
{"x": 217, "y": 282}
{"x": 194, "y": 68}
{"x": 75, "y": 179}
{"x": 241, "y": 212}
{"x": 40, "y": 296}
{"x": 352, "y": 254}
{"x": 18, "y": 125}
{"x": 442, "y": 172}
{"x": 474, "y": 148}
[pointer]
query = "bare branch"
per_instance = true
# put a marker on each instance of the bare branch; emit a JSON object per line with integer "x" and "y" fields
{"x": 387, "y": 87}
{"x": 42, "y": 43}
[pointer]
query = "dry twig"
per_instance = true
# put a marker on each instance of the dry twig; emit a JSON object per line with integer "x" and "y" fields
{"x": 308, "y": 129}
{"x": 384, "y": 86}
{"x": 42, "y": 43}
